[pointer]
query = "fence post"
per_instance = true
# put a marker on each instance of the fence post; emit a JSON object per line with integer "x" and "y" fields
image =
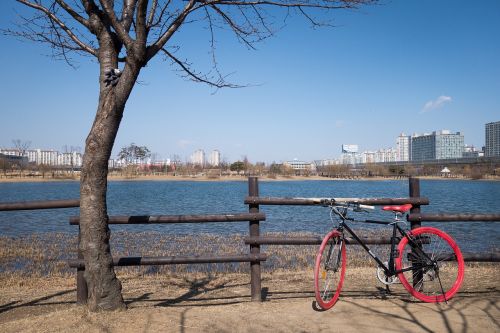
{"x": 255, "y": 276}
{"x": 81, "y": 284}
{"x": 414, "y": 184}
{"x": 415, "y": 192}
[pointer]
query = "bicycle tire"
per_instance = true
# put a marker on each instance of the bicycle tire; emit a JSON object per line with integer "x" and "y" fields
{"x": 431, "y": 284}
{"x": 328, "y": 280}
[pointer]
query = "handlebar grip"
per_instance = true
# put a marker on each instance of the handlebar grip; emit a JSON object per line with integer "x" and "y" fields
{"x": 366, "y": 207}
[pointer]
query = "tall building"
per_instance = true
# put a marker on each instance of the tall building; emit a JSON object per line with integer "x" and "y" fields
{"x": 439, "y": 145}
{"x": 214, "y": 158}
{"x": 403, "y": 147}
{"x": 198, "y": 157}
{"x": 492, "y": 139}
{"x": 73, "y": 159}
{"x": 350, "y": 154}
{"x": 368, "y": 157}
{"x": 385, "y": 155}
{"x": 39, "y": 156}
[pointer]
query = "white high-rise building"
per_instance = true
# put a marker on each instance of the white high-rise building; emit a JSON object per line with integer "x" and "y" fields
{"x": 385, "y": 155}
{"x": 72, "y": 159}
{"x": 198, "y": 157}
{"x": 403, "y": 147}
{"x": 38, "y": 156}
{"x": 214, "y": 158}
{"x": 368, "y": 157}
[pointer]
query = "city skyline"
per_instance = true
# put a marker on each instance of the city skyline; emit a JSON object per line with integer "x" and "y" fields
{"x": 448, "y": 145}
{"x": 399, "y": 67}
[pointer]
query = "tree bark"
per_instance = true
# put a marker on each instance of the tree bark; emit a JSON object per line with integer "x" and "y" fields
{"x": 104, "y": 288}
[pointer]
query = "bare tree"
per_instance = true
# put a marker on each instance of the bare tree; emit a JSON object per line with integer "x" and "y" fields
{"x": 21, "y": 147}
{"x": 133, "y": 32}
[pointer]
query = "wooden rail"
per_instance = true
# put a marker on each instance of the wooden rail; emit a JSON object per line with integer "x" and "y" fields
{"x": 444, "y": 217}
{"x": 310, "y": 240}
{"x": 174, "y": 260}
{"x": 255, "y": 200}
{"x": 167, "y": 219}
{"x": 32, "y": 205}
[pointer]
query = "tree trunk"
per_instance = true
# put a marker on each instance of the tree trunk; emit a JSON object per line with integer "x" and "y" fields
{"x": 103, "y": 286}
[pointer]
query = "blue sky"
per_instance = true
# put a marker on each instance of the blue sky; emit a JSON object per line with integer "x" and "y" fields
{"x": 401, "y": 66}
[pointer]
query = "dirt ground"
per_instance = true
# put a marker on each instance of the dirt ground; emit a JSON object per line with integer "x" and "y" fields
{"x": 221, "y": 303}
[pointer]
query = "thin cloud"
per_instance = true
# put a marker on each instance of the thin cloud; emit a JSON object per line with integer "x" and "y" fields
{"x": 436, "y": 104}
{"x": 184, "y": 143}
{"x": 339, "y": 123}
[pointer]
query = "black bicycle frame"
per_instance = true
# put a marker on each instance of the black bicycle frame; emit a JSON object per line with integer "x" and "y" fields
{"x": 389, "y": 271}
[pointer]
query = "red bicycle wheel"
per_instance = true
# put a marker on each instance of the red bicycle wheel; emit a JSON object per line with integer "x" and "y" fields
{"x": 329, "y": 270}
{"x": 435, "y": 270}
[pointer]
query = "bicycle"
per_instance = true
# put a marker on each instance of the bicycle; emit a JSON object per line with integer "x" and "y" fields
{"x": 426, "y": 261}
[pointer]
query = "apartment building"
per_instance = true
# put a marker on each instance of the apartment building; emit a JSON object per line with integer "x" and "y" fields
{"x": 492, "y": 140}
{"x": 437, "y": 146}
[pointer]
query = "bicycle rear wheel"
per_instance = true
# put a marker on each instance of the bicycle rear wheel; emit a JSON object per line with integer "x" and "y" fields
{"x": 436, "y": 265}
{"x": 329, "y": 270}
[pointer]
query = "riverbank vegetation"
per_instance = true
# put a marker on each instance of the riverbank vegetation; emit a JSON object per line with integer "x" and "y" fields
{"x": 274, "y": 171}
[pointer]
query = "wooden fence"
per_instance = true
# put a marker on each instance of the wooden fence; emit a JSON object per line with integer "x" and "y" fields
{"x": 254, "y": 240}
{"x": 415, "y": 218}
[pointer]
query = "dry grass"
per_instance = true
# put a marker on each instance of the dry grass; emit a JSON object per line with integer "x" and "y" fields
{"x": 45, "y": 255}
{"x": 31, "y": 260}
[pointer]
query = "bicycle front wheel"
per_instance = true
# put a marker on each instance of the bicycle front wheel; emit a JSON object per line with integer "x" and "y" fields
{"x": 329, "y": 270}
{"x": 433, "y": 265}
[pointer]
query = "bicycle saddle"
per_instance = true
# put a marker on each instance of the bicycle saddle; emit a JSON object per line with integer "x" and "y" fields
{"x": 399, "y": 209}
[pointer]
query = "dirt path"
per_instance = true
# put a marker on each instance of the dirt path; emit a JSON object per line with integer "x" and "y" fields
{"x": 222, "y": 304}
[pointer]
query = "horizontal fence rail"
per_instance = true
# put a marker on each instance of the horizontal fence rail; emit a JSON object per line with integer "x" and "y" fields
{"x": 45, "y": 204}
{"x": 319, "y": 201}
{"x": 481, "y": 257}
{"x": 445, "y": 217}
{"x": 165, "y": 219}
{"x": 310, "y": 240}
{"x": 174, "y": 260}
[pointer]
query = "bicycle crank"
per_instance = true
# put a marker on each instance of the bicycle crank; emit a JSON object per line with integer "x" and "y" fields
{"x": 384, "y": 279}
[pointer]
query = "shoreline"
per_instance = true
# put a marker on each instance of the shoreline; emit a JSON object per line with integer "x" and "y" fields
{"x": 230, "y": 179}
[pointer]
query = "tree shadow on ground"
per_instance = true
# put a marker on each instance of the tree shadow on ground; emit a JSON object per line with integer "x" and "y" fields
{"x": 200, "y": 292}
{"x": 412, "y": 317}
{"x": 37, "y": 302}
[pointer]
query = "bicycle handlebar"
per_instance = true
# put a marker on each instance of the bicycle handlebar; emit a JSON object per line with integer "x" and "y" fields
{"x": 341, "y": 202}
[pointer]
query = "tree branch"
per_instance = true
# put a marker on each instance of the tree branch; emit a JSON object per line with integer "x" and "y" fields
{"x": 73, "y": 13}
{"x": 197, "y": 77}
{"x": 53, "y": 18}
{"x": 128, "y": 14}
{"x": 141, "y": 25}
{"x": 152, "y": 13}
{"x": 174, "y": 26}
{"x": 123, "y": 35}
{"x": 321, "y": 4}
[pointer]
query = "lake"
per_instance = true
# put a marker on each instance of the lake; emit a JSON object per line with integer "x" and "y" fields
{"x": 192, "y": 197}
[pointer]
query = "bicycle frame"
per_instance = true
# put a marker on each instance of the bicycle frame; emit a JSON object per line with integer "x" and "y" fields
{"x": 389, "y": 269}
